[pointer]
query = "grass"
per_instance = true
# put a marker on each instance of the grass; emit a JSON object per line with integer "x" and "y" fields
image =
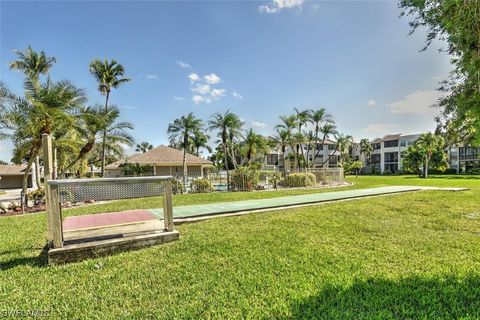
{"x": 411, "y": 255}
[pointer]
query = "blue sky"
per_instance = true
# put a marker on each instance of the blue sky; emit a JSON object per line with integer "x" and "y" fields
{"x": 259, "y": 59}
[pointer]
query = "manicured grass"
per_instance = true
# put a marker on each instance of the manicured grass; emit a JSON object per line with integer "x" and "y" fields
{"x": 412, "y": 255}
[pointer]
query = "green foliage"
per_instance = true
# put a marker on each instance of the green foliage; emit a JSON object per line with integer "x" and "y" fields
{"x": 201, "y": 185}
{"x": 135, "y": 169}
{"x": 244, "y": 178}
{"x": 177, "y": 187}
{"x": 295, "y": 180}
{"x": 37, "y": 195}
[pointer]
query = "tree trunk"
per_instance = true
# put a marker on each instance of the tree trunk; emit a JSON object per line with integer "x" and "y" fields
{"x": 283, "y": 162}
{"x": 185, "y": 170}
{"x": 225, "y": 160}
{"x": 425, "y": 170}
{"x": 37, "y": 171}
{"x": 104, "y": 138}
{"x": 33, "y": 155}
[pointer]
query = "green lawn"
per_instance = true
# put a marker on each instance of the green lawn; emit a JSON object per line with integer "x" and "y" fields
{"x": 413, "y": 255}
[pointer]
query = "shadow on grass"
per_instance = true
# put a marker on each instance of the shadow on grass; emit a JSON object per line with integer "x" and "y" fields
{"x": 410, "y": 298}
{"x": 36, "y": 261}
{"x": 442, "y": 177}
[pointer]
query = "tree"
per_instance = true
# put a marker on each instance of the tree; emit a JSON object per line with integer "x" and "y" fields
{"x": 366, "y": 149}
{"x": 428, "y": 144}
{"x": 32, "y": 63}
{"x": 328, "y": 129}
{"x": 108, "y": 74}
{"x": 200, "y": 140}
{"x": 458, "y": 24}
{"x": 282, "y": 139}
{"x": 184, "y": 128}
{"x": 143, "y": 147}
{"x": 344, "y": 142}
{"x": 92, "y": 123}
{"x": 253, "y": 145}
{"x": 288, "y": 123}
{"x": 323, "y": 124}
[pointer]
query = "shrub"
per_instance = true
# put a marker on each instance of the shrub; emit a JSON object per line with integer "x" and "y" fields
{"x": 201, "y": 185}
{"x": 294, "y": 180}
{"x": 177, "y": 186}
{"x": 244, "y": 179}
{"x": 37, "y": 195}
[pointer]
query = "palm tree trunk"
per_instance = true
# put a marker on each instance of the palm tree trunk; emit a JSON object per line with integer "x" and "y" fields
{"x": 37, "y": 171}
{"x": 425, "y": 170}
{"x": 33, "y": 155}
{"x": 283, "y": 162}
{"x": 225, "y": 162}
{"x": 104, "y": 138}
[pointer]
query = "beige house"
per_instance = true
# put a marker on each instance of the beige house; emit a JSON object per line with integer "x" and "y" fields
{"x": 11, "y": 176}
{"x": 164, "y": 160}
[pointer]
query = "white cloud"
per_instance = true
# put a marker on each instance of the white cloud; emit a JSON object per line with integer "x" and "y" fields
{"x": 380, "y": 129}
{"x": 237, "y": 95}
{"x": 201, "y": 89}
{"x": 151, "y": 76}
{"x": 216, "y": 93}
{"x": 176, "y": 98}
{"x": 212, "y": 78}
{"x": 277, "y": 5}
{"x": 183, "y": 64}
{"x": 193, "y": 77}
{"x": 258, "y": 125}
{"x": 419, "y": 102}
{"x": 197, "y": 99}
{"x": 371, "y": 102}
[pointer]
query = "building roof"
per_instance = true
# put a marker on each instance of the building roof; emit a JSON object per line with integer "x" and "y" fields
{"x": 389, "y": 137}
{"x": 12, "y": 170}
{"x": 161, "y": 155}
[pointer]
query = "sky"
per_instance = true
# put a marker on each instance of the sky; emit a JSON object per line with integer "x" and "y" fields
{"x": 260, "y": 59}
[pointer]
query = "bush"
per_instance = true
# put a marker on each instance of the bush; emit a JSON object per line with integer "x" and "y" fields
{"x": 37, "y": 195}
{"x": 295, "y": 180}
{"x": 244, "y": 179}
{"x": 177, "y": 186}
{"x": 201, "y": 185}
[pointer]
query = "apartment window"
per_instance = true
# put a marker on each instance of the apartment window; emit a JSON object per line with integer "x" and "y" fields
{"x": 332, "y": 147}
{"x": 319, "y": 146}
{"x": 403, "y": 143}
{"x": 390, "y": 144}
{"x": 469, "y": 153}
{"x": 376, "y": 146}
{"x": 390, "y": 157}
{"x": 272, "y": 159}
{"x": 375, "y": 158}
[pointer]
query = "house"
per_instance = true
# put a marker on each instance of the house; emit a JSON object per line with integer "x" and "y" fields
{"x": 11, "y": 176}
{"x": 163, "y": 161}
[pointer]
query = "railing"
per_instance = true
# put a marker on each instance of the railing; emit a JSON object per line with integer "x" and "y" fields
{"x": 81, "y": 190}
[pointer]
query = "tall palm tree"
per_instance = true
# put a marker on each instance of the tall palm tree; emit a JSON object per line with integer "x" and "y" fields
{"x": 344, "y": 142}
{"x": 228, "y": 125}
{"x": 108, "y": 74}
{"x": 429, "y": 143}
{"x": 320, "y": 119}
{"x": 253, "y": 145}
{"x": 329, "y": 129}
{"x": 93, "y": 121}
{"x": 32, "y": 63}
{"x": 143, "y": 147}
{"x": 200, "y": 140}
{"x": 366, "y": 149}
{"x": 303, "y": 118}
{"x": 282, "y": 139}
{"x": 235, "y": 125}
{"x": 184, "y": 128}
{"x": 289, "y": 123}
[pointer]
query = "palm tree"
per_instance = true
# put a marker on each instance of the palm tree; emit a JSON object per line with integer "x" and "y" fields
{"x": 282, "y": 139}
{"x": 32, "y": 63}
{"x": 253, "y": 145}
{"x": 184, "y": 128}
{"x": 366, "y": 149}
{"x": 143, "y": 147}
{"x": 200, "y": 140}
{"x": 235, "y": 125}
{"x": 93, "y": 121}
{"x": 429, "y": 143}
{"x": 109, "y": 74}
{"x": 344, "y": 142}
{"x": 329, "y": 129}
{"x": 288, "y": 123}
{"x": 303, "y": 117}
{"x": 228, "y": 125}
{"x": 320, "y": 119}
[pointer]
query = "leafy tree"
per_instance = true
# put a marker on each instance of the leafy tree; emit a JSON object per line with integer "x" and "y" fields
{"x": 109, "y": 75}
{"x": 184, "y": 128}
{"x": 458, "y": 24}
{"x": 289, "y": 123}
{"x": 32, "y": 63}
{"x": 143, "y": 147}
{"x": 324, "y": 125}
{"x": 429, "y": 144}
{"x": 282, "y": 139}
{"x": 200, "y": 140}
{"x": 413, "y": 159}
{"x": 253, "y": 145}
{"x": 366, "y": 149}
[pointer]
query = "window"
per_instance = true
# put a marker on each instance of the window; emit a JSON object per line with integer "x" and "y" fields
{"x": 390, "y": 144}
{"x": 403, "y": 143}
{"x": 375, "y": 158}
{"x": 390, "y": 157}
{"x": 272, "y": 159}
{"x": 332, "y": 147}
{"x": 376, "y": 146}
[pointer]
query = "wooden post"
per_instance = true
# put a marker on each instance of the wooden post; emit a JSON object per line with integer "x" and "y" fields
{"x": 168, "y": 207}
{"x": 56, "y": 215}
{"x": 47, "y": 174}
{"x": 55, "y": 164}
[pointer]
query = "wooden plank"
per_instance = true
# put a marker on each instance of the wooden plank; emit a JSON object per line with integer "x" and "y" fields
{"x": 56, "y": 216}
{"x": 168, "y": 207}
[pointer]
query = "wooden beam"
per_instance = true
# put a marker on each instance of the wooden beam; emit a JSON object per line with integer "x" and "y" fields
{"x": 47, "y": 173}
{"x": 168, "y": 207}
{"x": 56, "y": 212}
